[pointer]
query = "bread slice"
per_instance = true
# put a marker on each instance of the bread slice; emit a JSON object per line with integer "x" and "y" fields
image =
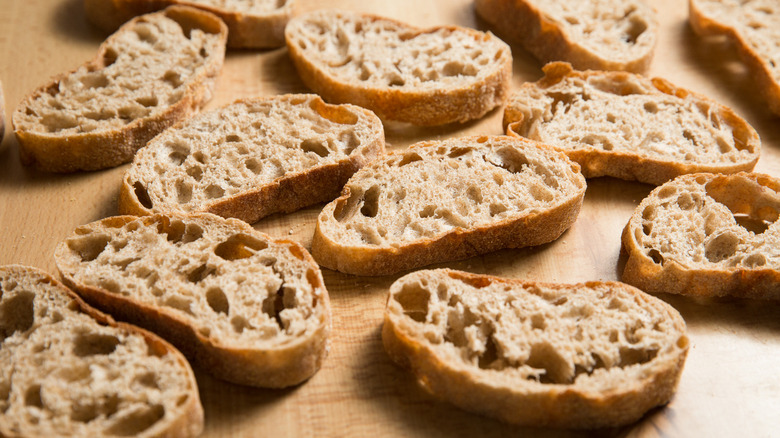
{"x": 707, "y": 235}
{"x": 627, "y": 126}
{"x": 752, "y": 27}
{"x": 421, "y": 76}
{"x": 253, "y": 158}
{"x": 69, "y": 370}
{"x": 591, "y": 355}
{"x": 600, "y": 35}
{"x": 256, "y": 24}
{"x": 246, "y": 308}
{"x": 448, "y": 200}
{"x": 155, "y": 70}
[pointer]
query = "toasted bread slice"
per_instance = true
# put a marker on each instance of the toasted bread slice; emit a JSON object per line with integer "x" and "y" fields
{"x": 425, "y": 77}
{"x": 447, "y": 200}
{"x": 253, "y": 158}
{"x": 154, "y": 71}
{"x": 586, "y": 355}
{"x": 707, "y": 235}
{"x": 248, "y": 309}
{"x": 68, "y": 370}
{"x": 630, "y": 127}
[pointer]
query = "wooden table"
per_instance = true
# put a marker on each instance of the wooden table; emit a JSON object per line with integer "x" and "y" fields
{"x": 730, "y": 386}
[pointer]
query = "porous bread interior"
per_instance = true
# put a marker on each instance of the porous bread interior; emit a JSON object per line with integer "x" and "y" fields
{"x": 63, "y": 373}
{"x": 147, "y": 68}
{"x": 623, "y": 113}
{"x": 371, "y": 52}
{"x": 245, "y": 6}
{"x": 590, "y": 337}
{"x": 243, "y": 146}
{"x": 429, "y": 190}
{"x": 711, "y": 222}
{"x": 235, "y": 286}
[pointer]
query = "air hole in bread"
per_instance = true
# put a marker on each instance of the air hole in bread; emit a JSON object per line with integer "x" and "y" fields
{"x": 148, "y": 380}
{"x": 541, "y": 193}
{"x": 651, "y": 107}
{"x": 93, "y": 344}
{"x": 633, "y": 356}
{"x": 217, "y": 300}
{"x": 137, "y": 421}
{"x": 635, "y": 29}
{"x": 239, "y": 323}
{"x": 214, "y": 191}
{"x": 145, "y": 33}
{"x": 89, "y": 247}
{"x": 179, "y": 303}
{"x": 109, "y": 57}
{"x": 183, "y": 192}
{"x": 510, "y": 159}
{"x": 496, "y": 209}
{"x": 32, "y": 396}
{"x": 315, "y": 146}
{"x": 490, "y": 359}
{"x": 721, "y": 246}
{"x": 196, "y": 172}
{"x": 474, "y": 193}
{"x": 232, "y": 138}
{"x": 656, "y": 256}
{"x": 200, "y": 273}
{"x": 409, "y": 158}
{"x": 203, "y": 52}
{"x": 413, "y": 299}
{"x": 428, "y": 211}
{"x": 95, "y": 80}
{"x": 370, "y": 206}
{"x": 172, "y": 78}
{"x": 458, "y": 152}
{"x": 142, "y": 195}
{"x": 538, "y": 321}
{"x": 148, "y": 101}
{"x": 557, "y": 369}
{"x": 273, "y": 305}
{"x": 239, "y": 246}
{"x": 16, "y": 313}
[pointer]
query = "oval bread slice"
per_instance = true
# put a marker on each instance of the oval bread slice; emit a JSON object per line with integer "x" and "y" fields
{"x": 253, "y": 158}
{"x": 246, "y": 308}
{"x": 154, "y": 71}
{"x": 69, "y": 370}
{"x": 586, "y": 355}
{"x": 425, "y": 77}
{"x": 707, "y": 235}
{"x": 630, "y": 127}
{"x": 447, "y": 200}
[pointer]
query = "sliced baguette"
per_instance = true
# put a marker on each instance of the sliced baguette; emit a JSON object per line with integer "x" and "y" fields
{"x": 448, "y": 200}
{"x": 68, "y": 370}
{"x": 155, "y": 70}
{"x": 600, "y": 35}
{"x": 627, "y": 126}
{"x": 707, "y": 235}
{"x": 257, "y": 24}
{"x": 752, "y": 27}
{"x": 246, "y": 308}
{"x": 586, "y": 355}
{"x": 425, "y": 77}
{"x": 253, "y": 158}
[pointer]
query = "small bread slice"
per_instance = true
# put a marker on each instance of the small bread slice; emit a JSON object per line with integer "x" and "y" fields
{"x": 591, "y": 355}
{"x": 707, "y": 235}
{"x": 425, "y": 77}
{"x": 447, "y": 200}
{"x": 752, "y": 27}
{"x": 256, "y": 24}
{"x": 68, "y": 370}
{"x": 599, "y": 34}
{"x": 253, "y": 158}
{"x": 630, "y": 127}
{"x": 246, "y": 308}
{"x": 154, "y": 71}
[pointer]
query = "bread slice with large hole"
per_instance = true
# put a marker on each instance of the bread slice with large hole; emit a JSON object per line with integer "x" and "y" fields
{"x": 630, "y": 127}
{"x": 421, "y": 76}
{"x": 154, "y": 71}
{"x": 246, "y": 308}
{"x": 253, "y": 158}
{"x": 67, "y": 369}
{"x": 589, "y": 355}
{"x": 447, "y": 200}
{"x": 707, "y": 235}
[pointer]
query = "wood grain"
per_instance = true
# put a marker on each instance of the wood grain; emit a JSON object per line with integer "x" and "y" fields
{"x": 730, "y": 386}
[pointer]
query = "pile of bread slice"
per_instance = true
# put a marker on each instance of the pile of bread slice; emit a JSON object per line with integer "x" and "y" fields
{"x": 183, "y": 262}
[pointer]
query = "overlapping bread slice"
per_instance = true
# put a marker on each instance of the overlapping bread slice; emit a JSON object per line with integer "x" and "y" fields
{"x": 586, "y": 355}
{"x": 421, "y": 76}
{"x": 154, "y": 71}
{"x": 448, "y": 200}
{"x": 627, "y": 126}
{"x": 69, "y": 370}
{"x": 707, "y": 235}
{"x": 597, "y": 34}
{"x": 251, "y": 24}
{"x": 253, "y": 158}
{"x": 246, "y": 308}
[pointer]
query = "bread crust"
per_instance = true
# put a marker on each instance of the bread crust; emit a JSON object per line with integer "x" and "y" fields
{"x": 441, "y": 105}
{"x": 529, "y": 402}
{"x": 247, "y": 31}
{"x": 53, "y": 152}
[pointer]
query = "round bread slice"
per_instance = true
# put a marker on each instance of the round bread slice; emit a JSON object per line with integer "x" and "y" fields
{"x": 707, "y": 235}
{"x": 253, "y": 158}
{"x": 447, "y": 200}
{"x": 67, "y": 369}
{"x": 425, "y": 77}
{"x": 246, "y": 308}
{"x": 592, "y": 355}
{"x": 630, "y": 127}
{"x": 154, "y": 71}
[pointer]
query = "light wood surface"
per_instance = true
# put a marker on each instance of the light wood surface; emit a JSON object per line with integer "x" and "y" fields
{"x": 730, "y": 385}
